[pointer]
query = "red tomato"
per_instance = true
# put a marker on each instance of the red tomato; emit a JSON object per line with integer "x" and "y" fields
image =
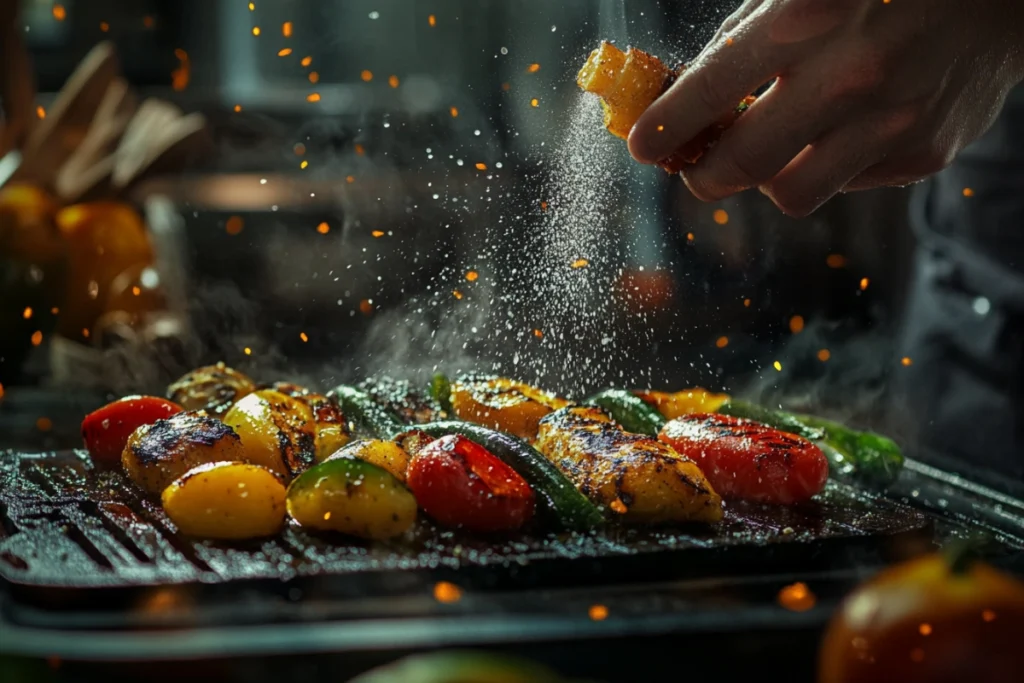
{"x": 747, "y": 460}
{"x": 461, "y": 484}
{"x": 106, "y": 430}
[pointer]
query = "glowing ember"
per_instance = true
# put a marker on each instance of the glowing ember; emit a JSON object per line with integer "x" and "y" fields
{"x": 720, "y": 216}
{"x": 689, "y": 237}
{"x": 59, "y": 13}
{"x": 835, "y": 260}
{"x": 987, "y": 614}
{"x": 447, "y": 592}
{"x": 27, "y": 313}
{"x": 104, "y": 26}
{"x": 472, "y": 276}
{"x": 777, "y": 365}
{"x": 247, "y": 351}
{"x": 533, "y": 68}
{"x": 393, "y": 81}
{"x": 350, "y": 179}
{"x": 543, "y": 205}
{"x": 534, "y": 102}
{"x": 506, "y": 86}
{"x": 968, "y": 192}
{"x": 457, "y": 294}
{"x": 314, "y": 77}
{"x": 303, "y": 337}
{"x": 432, "y": 20}
{"x": 366, "y": 307}
{"x": 234, "y": 225}
{"x": 796, "y": 324}
{"x": 327, "y": 515}
{"x": 252, "y": 6}
{"x": 85, "y": 332}
{"x": 824, "y": 355}
{"x": 44, "y": 424}
{"x": 1, "y": 390}
{"x": 313, "y": 97}
{"x": 580, "y": 263}
{"x": 255, "y": 30}
{"x": 746, "y": 303}
{"x": 286, "y": 29}
{"x": 864, "y": 283}
{"x": 299, "y": 149}
{"x": 797, "y": 597}
{"x": 136, "y": 290}
{"x": 598, "y": 612}
{"x": 925, "y": 629}
{"x": 323, "y": 228}
{"x": 181, "y": 75}
{"x": 306, "y": 61}
{"x": 722, "y": 342}
{"x": 304, "y": 164}
{"x": 481, "y": 166}
{"x": 238, "y": 108}
{"x": 366, "y": 75}
{"x": 729, "y": 41}
{"x": 906, "y": 361}
{"x": 284, "y": 52}
{"x": 40, "y": 112}
{"x": 377, "y": 233}
{"x": 37, "y": 338}
{"x": 538, "y": 334}
{"x": 454, "y": 112}
{"x": 661, "y": 128}
{"x": 618, "y": 506}
{"x": 359, "y": 149}
{"x": 54, "y": 310}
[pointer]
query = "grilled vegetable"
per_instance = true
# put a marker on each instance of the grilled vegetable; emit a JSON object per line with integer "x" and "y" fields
{"x": 226, "y": 500}
{"x": 502, "y": 404}
{"x": 685, "y": 402}
{"x": 865, "y": 458}
{"x": 460, "y": 667}
{"x": 369, "y": 419}
{"x": 277, "y": 432}
{"x": 936, "y": 619}
{"x": 634, "y": 414}
{"x": 157, "y": 454}
{"x": 746, "y": 460}
{"x": 331, "y": 428}
{"x": 411, "y": 405}
{"x": 353, "y": 497}
{"x": 638, "y": 478}
{"x": 441, "y": 391}
{"x": 106, "y": 430}
{"x": 212, "y": 388}
{"x": 386, "y": 455}
{"x": 558, "y": 499}
{"x": 460, "y": 484}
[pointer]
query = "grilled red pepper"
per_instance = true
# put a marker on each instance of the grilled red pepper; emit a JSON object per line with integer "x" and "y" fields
{"x": 747, "y": 460}
{"x": 461, "y": 484}
{"x": 106, "y": 430}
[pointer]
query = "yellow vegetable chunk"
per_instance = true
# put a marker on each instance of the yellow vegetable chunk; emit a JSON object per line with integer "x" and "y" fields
{"x": 627, "y": 83}
{"x": 353, "y": 497}
{"x": 277, "y": 431}
{"x": 157, "y": 454}
{"x": 685, "y": 402}
{"x": 332, "y": 431}
{"x": 226, "y": 500}
{"x": 212, "y": 387}
{"x": 386, "y": 455}
{"x": 503, "y": 404}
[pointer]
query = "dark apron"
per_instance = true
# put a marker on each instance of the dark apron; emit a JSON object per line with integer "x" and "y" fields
{"x": 963, "y": 328}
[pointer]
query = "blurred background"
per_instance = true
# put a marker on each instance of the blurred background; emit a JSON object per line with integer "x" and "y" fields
{"x": 397, "y": 187}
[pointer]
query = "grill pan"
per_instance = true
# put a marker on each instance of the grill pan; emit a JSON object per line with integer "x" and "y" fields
{"x": 66, "y": 526}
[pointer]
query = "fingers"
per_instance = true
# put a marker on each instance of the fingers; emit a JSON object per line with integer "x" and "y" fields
{"x": 761, "y": 142}
{"x": 709, "y": 88}
{"x": 823, "y": 169}
{"x": 734, "y": 20}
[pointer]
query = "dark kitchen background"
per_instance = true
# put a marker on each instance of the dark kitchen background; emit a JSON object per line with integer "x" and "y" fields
{"x": 333, "y": 239}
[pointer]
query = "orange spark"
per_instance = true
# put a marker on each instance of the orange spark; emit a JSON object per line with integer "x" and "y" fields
{"x": 314, "y": 77}
{"x": 323, "y": 228}
{"x": 824, "y": 355}
{"x": 796, "y": 324}
{"x": 303, "y": 337}
{"x": 44, "y": 424}
{"x": 238, "y": 108}
{"x": 432, "y": 20}
{"x": 907, "y": 362}
{"x": 181, "y": 75}
{"x": 580, "y": 263}
{"x": 538, "y": 334}
{"x": 304, "y": 164}
{"x": 104, "y": 26}
{"x": 720, "y": 216}
{"x": 377, "y": 233}
{"x": 746, "y": 303}
{"x": 286, "y": 29}
{"x": 533, "y": 68}
{"x": 255, "y": 30}
{"x": 598, "y": 612}
{"x": 37, "y": 338}
{"x": 234, "y": 225}
{"x": 472, "y": 275}
{"x": 534, "y": 102}
{"x": 797, "y": 597}
{"x": 366, "y": 307}
{"x": 40, "y": 112}
{"x": 968, "y": 192}
{"x": 366, "y": 75}
{"x": 722, "y": 342}
{"x": 481, "y": 166}
{"x": 59, "y": 13}
{"x": 393, "y": 81}
{"x": 835, "y": 260}
{"x": 313, "y": 97}
{"x": 284, "y": 52}
{"x": 306, "y": 61}
{"x": 457, "y": 294}
{"x": 864, "y": 283}
{"x": 350, "y": 179}
{"x": 27, "y": 313}
{"x": 454, "y": 112}
{"x": 447, "y": 592}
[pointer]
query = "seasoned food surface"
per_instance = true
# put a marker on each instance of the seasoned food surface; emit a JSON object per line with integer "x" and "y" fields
{"x": 213, "y": 388}
{"x": 409, "y": 403}
{"x": 634, "y": 476}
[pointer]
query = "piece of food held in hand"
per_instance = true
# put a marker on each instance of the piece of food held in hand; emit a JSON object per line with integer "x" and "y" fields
{"x": 628, "y": 83}
{"x": 637, "y": 477}
{"x": 746, "y": 460}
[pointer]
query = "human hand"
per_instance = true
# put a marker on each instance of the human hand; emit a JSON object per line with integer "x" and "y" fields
{"x": 868, "y": 93}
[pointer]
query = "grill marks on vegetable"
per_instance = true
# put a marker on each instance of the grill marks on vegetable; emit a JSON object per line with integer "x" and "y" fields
{"x": 166, "y": 436}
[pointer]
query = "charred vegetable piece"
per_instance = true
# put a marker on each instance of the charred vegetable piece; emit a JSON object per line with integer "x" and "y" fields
{"x": 778, "y": 419}
{"x": 331, "y": 427}
{"x": 353, "y": 497}
{"x": 226, "y": 500}
{"x": 558, "y": 499}
{"x": 441, "y": 391}
{"x": 277, "y": 432}
{"x": 461, "y": 485}
{"x": 386, "y": 455}
{"x": 106, "y": 430}
{"x": 502, "y": 404}
{"x": 369, "y": 419}
{"x": 630, "y": 411}
{"x": 937, "y": 618}
{"x": 685, "y": 402}
{"x": 637, "y": 477}
{"x": 411, "y": 405}
{"x": 745, "y": 460}
{"x": 213, "y": 388}
{"x": 157, "y": 454}
{"x": 460, "y": 667}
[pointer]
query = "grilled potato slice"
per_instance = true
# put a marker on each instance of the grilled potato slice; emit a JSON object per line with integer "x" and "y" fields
{"x": 157, "y": 454}
{"x": 277, "y": 432}
{"x": 387, "y": 455}
{"x": 226, "y": 500}
{"x": 213, "y": 388}
{"x": 635, "y": 476}
{"x": 503, "y": 404}
{"x": 332, "y": 431}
